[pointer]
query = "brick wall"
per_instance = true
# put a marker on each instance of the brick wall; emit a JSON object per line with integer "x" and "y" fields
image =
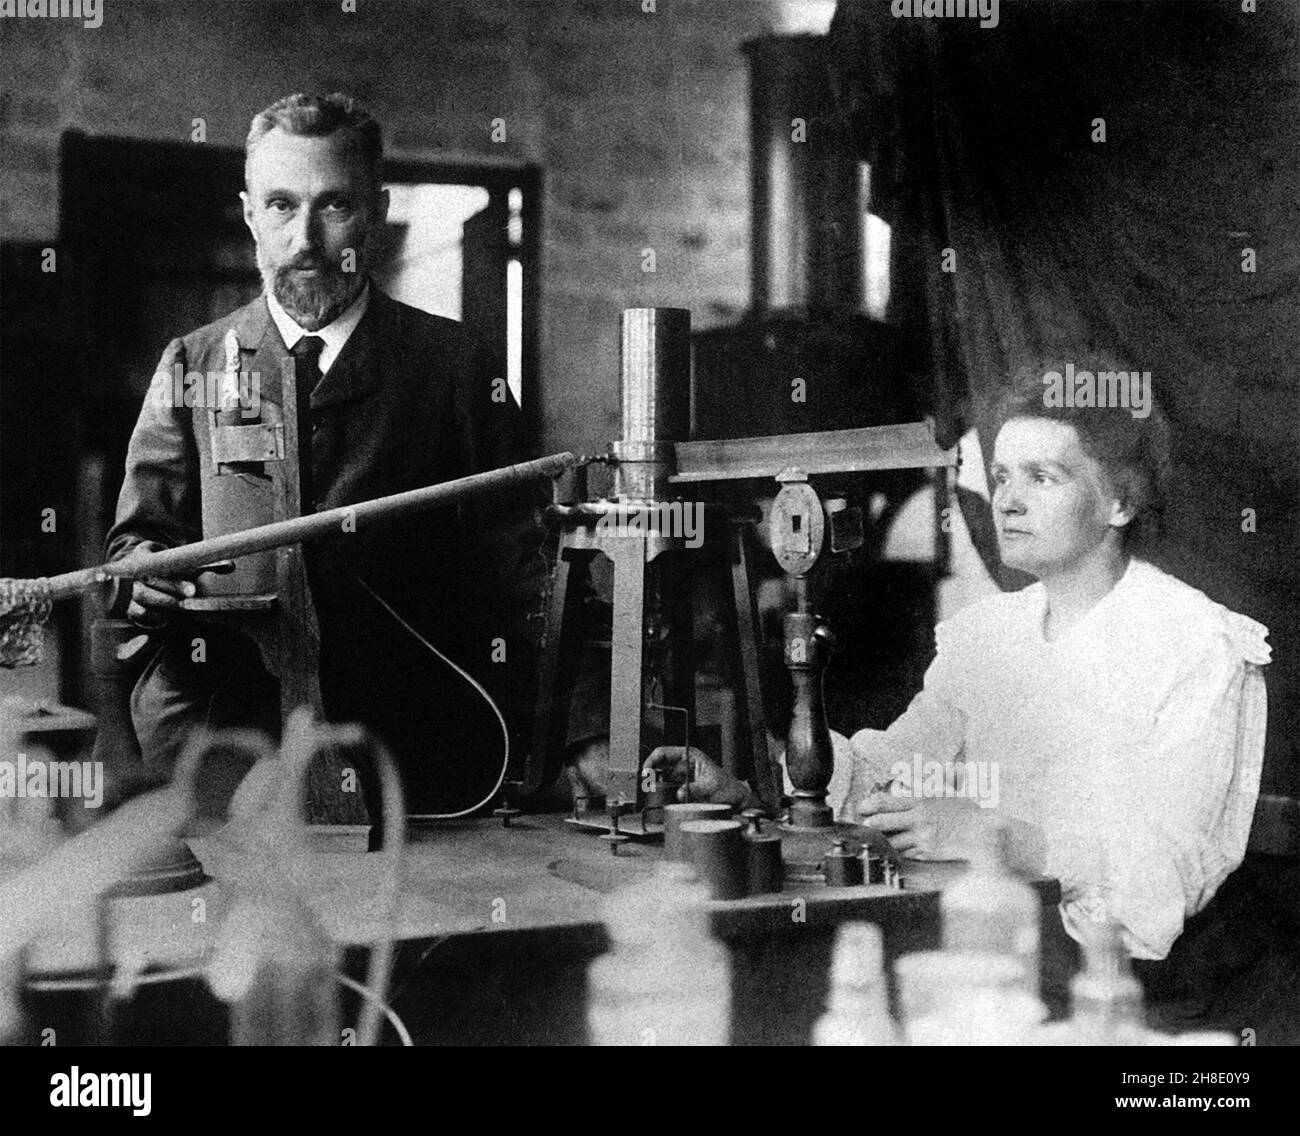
{"x": 638, "y": 119}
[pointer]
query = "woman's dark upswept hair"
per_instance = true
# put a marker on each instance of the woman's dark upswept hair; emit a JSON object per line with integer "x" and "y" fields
{"x": 1134, "y": 453}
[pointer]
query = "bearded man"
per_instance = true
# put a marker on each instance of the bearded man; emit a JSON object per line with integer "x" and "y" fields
{"x": 397, "y": 399}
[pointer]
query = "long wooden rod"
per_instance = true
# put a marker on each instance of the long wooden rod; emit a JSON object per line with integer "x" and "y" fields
{"x": 189, "y": 557}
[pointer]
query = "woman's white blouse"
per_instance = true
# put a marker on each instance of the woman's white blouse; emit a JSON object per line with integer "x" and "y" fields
{"x": 1134, "y": 741}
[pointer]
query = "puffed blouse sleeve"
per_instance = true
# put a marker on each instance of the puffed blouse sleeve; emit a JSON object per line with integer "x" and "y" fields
{"x": 1167, "y": 817}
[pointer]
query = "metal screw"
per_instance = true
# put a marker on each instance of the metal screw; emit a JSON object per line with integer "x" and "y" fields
{"x": 613, "y": 836}
{"x": 507, "y": 810}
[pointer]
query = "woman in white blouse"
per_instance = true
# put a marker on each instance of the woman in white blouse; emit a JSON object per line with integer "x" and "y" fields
{"x": 1117, "y": 713}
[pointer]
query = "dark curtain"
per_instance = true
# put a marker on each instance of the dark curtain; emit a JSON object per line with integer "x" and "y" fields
{"x": 980, "y": 140}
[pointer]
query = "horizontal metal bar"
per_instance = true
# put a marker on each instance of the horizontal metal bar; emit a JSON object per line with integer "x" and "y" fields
{"x": 137, "y": 565}
{"x": 908, "y": 445}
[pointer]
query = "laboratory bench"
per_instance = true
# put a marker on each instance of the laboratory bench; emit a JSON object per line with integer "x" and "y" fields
{"x": 495, "y": 929}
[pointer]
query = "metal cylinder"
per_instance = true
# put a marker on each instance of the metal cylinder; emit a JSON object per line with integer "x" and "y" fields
{"x": 677, "y": 815}
{"x": 716, "y": 849}
{"x": 763, "y": 861}
{"x": 807, "y": 187}
{"x": 843, "y": 866}
{"x": 655, "y": 390}
{"x": 873, "y": 867}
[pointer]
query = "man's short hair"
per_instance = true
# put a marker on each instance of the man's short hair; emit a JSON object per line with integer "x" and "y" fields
{"x": 318, "y": 116}
{"x": 1134, "y": 453}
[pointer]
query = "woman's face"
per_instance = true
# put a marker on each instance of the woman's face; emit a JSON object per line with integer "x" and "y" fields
{"x": 1051, "y": 500}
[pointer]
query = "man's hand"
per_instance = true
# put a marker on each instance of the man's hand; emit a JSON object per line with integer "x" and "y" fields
{"x": 585, "y": 768}
{"x": 156, "y": 598}
{"x": 926, "y": 828}
{"x": 708, "y": 780}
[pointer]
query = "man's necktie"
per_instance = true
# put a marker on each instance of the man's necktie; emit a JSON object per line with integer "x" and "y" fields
{"x": 306, "y": 366}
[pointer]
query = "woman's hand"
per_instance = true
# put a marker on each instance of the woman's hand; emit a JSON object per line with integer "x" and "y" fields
{"x": 926, "y": 828}
{"x": 708, "y": 780}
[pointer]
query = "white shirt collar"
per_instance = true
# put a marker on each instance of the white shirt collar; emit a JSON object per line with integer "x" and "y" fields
{"x": 335, "y": 334}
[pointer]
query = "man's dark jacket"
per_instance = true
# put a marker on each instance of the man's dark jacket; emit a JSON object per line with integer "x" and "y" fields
{"x": 405, "y": 404}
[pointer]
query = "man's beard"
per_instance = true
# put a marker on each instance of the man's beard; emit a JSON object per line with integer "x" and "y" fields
{"x": 313, "y": 301}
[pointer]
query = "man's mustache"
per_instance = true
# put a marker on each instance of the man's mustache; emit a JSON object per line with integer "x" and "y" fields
{"x": 319, "y": 263}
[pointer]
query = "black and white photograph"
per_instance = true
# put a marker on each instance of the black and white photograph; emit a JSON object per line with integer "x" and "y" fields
{"x": 649, "y": 523}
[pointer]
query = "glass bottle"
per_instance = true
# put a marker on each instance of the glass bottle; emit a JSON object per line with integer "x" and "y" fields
{"x": 992, "y": 911}
{"x": 857, "y": 1005}
{"x": 665, "y": 979}
{"x": 1106, "y": 996}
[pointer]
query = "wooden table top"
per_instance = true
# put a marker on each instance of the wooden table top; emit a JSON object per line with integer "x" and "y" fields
{"x": 459, "y": 878}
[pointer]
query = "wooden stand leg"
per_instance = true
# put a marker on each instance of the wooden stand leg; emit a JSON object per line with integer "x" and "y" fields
{"x": 671, "y": 573}
{"x": 626, "y": 669}
{"x": 748, "y": 664}
{"x": 557, "y": 671}
{"x": 674, "y": 660}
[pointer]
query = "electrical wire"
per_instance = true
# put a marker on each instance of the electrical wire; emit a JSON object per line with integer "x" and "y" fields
{"x": 399, "y": 1027}
{"x": 303, "y": 738}
{"x": 478, "y": 686}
